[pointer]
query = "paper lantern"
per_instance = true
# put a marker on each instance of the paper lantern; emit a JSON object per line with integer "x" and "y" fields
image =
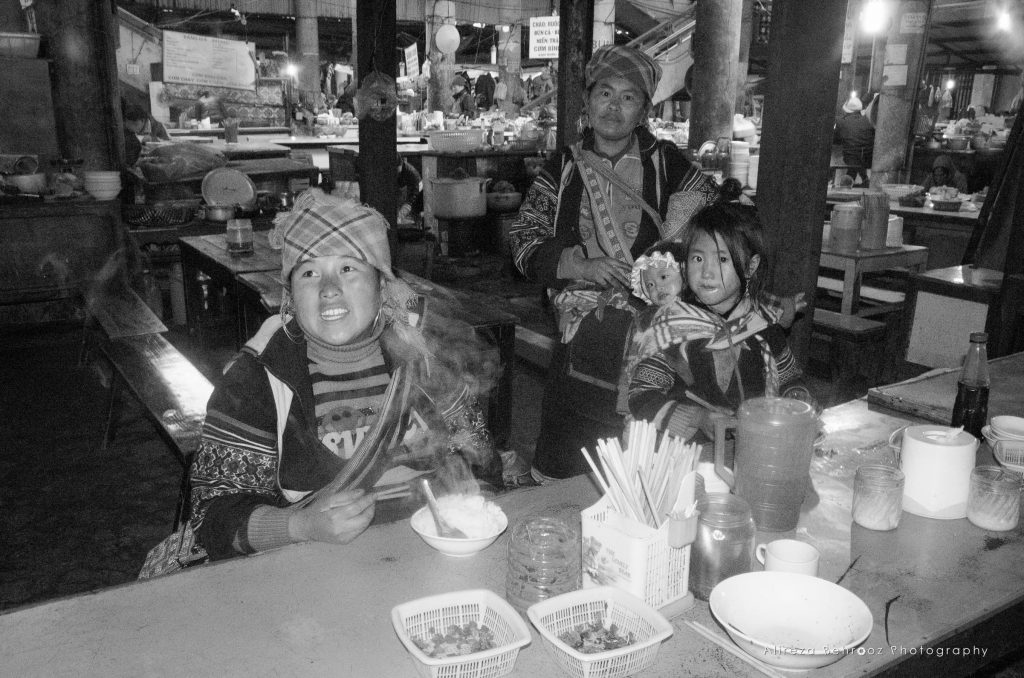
{"x": 447, "y": 38}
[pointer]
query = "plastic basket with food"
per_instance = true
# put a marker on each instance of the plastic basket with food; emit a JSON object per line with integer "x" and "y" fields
{"x": 461, "y": 634}
{"x": 600, "y": 631}
{"x": 160, "y": 215}
{"x": 455, "y": 140}
{"x": 897, "y": 191}
{"x": 946, "y": 205}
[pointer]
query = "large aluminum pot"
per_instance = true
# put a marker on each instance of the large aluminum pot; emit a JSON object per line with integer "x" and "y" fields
{"x": 460, "y": 198}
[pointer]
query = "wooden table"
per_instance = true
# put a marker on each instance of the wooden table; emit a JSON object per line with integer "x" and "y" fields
{"x": 208, "y": 255}
{"x": 272, "y": 174}
{"x": 945, "y": 234}
{"x": 854, "y": 264}
{"x": 253, "y": 287}
{"x": 323, "y": 610}
{"x": 931, "y": 395}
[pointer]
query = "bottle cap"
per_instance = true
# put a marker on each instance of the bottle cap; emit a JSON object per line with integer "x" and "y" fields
{"x": 979, "y": 337}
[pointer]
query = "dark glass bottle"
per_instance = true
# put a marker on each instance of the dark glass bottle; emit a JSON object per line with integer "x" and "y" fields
{"x": 971, "y": 407}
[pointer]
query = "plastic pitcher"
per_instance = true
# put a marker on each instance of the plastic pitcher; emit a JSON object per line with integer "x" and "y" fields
{"x": 774, "y": 443}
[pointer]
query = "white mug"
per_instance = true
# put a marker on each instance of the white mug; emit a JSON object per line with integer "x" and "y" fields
{"x": 788, "y": 555}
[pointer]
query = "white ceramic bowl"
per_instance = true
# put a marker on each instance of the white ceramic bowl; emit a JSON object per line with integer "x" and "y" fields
{"x": 100, "y": 174}
{"x": 28, "y": 183}
{"x": 1008, "y": 451}
{"x": 423, "y": 524}
{"x": 791, "y": 620}
{"x": 104, "y": 194}
{"x": 1007, "y": 427}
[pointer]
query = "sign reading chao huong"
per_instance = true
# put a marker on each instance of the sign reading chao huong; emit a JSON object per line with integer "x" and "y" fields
{"x": 201, "y": 60}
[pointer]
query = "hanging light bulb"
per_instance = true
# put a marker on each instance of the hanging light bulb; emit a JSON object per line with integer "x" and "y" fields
{"x": 874, "y": 17}
{"x": 1003, "y": 20}
{"x": 494, "y": 54}
{"x": 447, "y": 38}
{"x": 951, "y": 83}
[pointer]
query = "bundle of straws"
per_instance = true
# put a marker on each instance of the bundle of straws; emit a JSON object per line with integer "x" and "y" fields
{"x": 643, "y": 483}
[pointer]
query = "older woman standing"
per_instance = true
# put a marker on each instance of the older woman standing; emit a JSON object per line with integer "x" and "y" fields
{"x": 327, "y": 396}
{"x": 589, "y": 213}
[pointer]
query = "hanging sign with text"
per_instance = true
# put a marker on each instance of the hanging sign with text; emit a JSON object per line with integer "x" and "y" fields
{"x": 412, "y": 61}
{"x": 202, "y": 60}
{"x": 544, "y": 37}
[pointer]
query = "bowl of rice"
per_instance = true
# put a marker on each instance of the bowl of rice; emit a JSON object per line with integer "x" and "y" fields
{"x": 482, "y": 521}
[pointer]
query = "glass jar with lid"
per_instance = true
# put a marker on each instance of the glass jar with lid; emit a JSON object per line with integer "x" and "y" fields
{"x": 725, "y": 541}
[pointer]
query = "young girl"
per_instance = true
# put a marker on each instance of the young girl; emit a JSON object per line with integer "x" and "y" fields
{"x": 720, "y": 341}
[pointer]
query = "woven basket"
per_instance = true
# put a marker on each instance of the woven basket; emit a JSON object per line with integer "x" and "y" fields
{"x": 415, "y": 619}
{"x": 157, "y": 216}
{"x": 456, "y": 140}
{"x": 566, "y": 612}
{"x": 897, "y": 191}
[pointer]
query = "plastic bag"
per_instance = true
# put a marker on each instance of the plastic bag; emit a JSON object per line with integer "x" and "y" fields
{"x": 174, "y": 161}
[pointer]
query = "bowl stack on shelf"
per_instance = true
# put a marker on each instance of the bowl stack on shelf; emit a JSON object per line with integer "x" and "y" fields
{"x": 102, "y": 185}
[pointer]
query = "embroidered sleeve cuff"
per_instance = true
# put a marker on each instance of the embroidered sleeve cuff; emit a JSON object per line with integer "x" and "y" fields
{"x": 268, "y": 528}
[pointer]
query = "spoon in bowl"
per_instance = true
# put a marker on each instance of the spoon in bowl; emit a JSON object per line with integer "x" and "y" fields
{"x": 443, "y": 528}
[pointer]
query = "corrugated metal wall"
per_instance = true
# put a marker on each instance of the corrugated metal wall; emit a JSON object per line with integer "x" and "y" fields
{"x": 465, "y": 11}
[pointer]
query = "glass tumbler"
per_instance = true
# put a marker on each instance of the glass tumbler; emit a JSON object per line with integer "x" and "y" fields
{"x": 993, "y": 502}
{"x": 544, "y": 560}
{"x": 878, "y": 496}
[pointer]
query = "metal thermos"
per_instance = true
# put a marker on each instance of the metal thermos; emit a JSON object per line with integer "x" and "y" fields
{"x": 725, "y": 542}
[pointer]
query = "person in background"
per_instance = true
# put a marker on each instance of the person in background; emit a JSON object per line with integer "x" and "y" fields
{"x": 463, "y": 103}
{"x": 410, "y": 189}
{"x": 593, "y": 208}
{"x": 348, "y": 382}
{"x": 209, "y": 106}
{"x": 855, "y": 133}
{"x": 143, "y": 124}
{"x": 944, "y": 173}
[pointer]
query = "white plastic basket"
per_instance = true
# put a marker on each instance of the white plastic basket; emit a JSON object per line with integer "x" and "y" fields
{"x": 566, "y": 612}
{"x": 456, "y": 140}
{"x": 1009, "y": 453}
{"x": 645, "y": 565}
{"x": 415, "y": 618}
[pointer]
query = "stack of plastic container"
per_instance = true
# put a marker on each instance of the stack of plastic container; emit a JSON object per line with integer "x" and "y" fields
{"x": 739, "y": 161}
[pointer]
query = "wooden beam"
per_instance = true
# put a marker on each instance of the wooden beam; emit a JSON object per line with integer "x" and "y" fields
{"x": 378, "y": 142}
{"x": 805, "y": 49}
{"x": 575, "y": 46}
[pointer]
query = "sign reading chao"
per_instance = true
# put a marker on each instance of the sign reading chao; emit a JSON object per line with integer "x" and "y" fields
{"x": 201, "y": 60}
{"x": 544, "y": 37}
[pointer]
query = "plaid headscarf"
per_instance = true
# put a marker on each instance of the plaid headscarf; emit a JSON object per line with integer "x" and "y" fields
{"x": 618, "y": 61}
{"x": 322, "y": 225}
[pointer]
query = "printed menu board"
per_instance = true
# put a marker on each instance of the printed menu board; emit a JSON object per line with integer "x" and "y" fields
{"x": 202, "y": 60}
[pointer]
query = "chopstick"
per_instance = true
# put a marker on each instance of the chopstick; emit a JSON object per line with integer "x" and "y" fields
{"x": 727, "y": 645}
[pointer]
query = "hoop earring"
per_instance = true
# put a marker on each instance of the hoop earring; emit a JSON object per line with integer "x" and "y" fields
{"x": 288, "y": 310}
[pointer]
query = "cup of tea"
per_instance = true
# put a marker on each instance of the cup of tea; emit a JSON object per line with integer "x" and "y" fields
{"x": 788, "y": 555}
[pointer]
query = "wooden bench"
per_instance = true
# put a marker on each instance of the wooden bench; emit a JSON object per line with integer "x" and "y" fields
{"x": 848, "y": 335}
{"x": 171, "y": 391}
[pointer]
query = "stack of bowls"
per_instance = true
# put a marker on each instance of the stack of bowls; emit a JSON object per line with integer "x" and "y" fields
{"x": 1005, "y": 435}
{"x": 739, "y": 161}
{"x": 102, "y": 185}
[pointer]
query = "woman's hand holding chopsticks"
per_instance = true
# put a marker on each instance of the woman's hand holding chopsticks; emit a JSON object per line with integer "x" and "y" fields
{"x": 335, "y": 517}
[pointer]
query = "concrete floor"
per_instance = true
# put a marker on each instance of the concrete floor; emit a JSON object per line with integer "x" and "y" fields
{"x": 75, "y": 518}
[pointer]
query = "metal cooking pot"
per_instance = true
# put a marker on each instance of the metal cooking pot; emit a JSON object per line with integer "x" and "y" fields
{"x": 460, "y": 198}
{"x": 219, "y": 212}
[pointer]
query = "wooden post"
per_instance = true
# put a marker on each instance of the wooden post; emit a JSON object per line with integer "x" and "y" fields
{"x": 716, "y": 47}
{"x": 307, "y": 42}
{"x": 746, "y": 29}
{"x": 907, "y": 40}
{"x": 848, "y": 70}
{"x": 804, "y": 51}
{"x": 378, "y": 142}
{"x": 86, "y": 97}
{"x": 575, "y": 40}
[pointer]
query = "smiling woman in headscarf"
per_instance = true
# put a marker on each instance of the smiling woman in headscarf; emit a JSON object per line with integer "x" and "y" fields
{"x": 593, "y": 209}
{"x": 343, "y": 385}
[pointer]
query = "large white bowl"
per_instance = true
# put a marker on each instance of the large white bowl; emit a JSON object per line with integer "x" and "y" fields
{"x": 791, "y": 620}
{"x": 423, "y": 524}
{"x": 104, "y": 194}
